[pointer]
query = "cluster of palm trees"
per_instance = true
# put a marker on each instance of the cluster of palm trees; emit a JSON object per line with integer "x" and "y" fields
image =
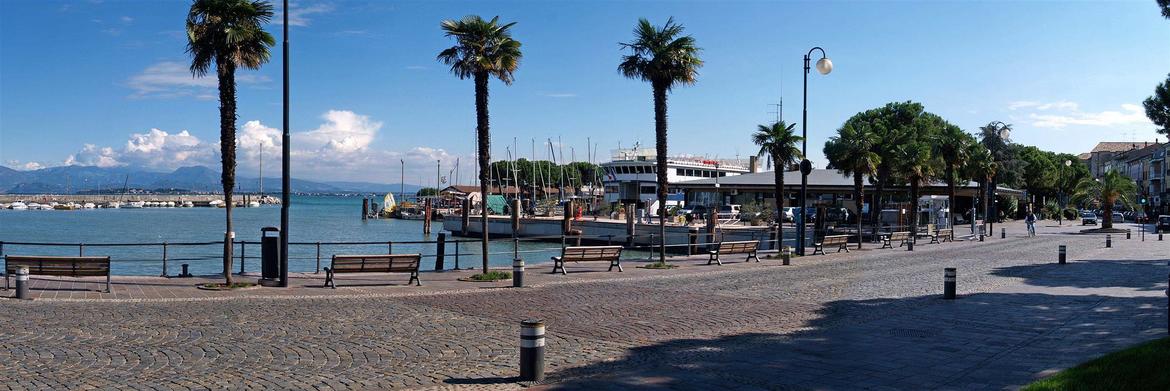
{"x": 896, "y": 144}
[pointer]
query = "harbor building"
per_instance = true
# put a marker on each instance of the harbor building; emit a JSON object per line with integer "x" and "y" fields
{"x": 630, "y": 177}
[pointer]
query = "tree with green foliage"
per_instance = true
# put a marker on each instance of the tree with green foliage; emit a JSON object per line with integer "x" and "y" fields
{"x": 893, "y": 125}
{"x": 1165, "y": 6}
{"x": 981, "y": 166}
{"x": 851, "y": 151}
{"x": 427, "y": 192}
{"x": 1108, "y": 190}
{"x": 228, "y": 34}
{"x": 1158, "y": 105}
{"x": 665, "y": 58}
{"x": 778, "y": 141}
{"x": 915, "y": 160}
{"x": 952, "y": 145}
{"x": 483, "y": 49}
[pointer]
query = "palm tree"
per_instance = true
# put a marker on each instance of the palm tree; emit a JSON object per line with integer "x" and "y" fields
{"x": 982, "y": 167}
{"x": 951, "y": 145}
{"x": 665, "y": 58}
{"x": 229, "y": 34}
{"x": 1107, "y": 190}
{"x": 483, "y": 49}
{"x": 851, "y": 151}
{"x": 779, "y": 141}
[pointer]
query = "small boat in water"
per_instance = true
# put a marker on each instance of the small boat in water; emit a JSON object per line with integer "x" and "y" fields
{"x": 88, "y": 205}
{"x": 216, "y": 203}
{"x": 134, "y": 204}
{"x": 254, "y": 204}
{"x": 18, "y": 206}
{"x": 170, "y": 204}
{"x": 114, "y": 204}
{"x": 188, "y": 204}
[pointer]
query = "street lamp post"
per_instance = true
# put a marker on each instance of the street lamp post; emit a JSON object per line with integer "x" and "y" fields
{"x": 285, "y": 176}
{"x": 824, "y": 66}
{"x": 1060, "y": 187}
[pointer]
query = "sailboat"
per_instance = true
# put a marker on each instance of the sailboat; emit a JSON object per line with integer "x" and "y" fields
{"x": 388, "y": 204}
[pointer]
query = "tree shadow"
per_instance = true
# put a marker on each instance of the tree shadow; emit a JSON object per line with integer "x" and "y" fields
{"x": 1094, "y": 273}
{"x": 986, "y": 340}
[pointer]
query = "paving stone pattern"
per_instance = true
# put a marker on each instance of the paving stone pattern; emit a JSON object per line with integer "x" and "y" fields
{"x": 871, "y": 319}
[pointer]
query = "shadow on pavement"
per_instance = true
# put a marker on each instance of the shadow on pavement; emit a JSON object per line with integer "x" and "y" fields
{"x": 1093, "y": 273}
{"x": 986, "y": 340}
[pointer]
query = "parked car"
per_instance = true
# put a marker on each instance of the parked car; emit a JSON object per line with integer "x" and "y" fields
{"x": 729, "y": 210}
{"x": 1163, "y": 224}
{"x": 1118, "y": 217}
{"x": 1088, "y": 218}
{"x": 697, "y": 210}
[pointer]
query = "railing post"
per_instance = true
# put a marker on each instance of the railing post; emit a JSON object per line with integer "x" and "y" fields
{"x": 164, "y": 272}
{"x": 457, "y": 255}
{"x": 389, "y": 247}
{"x": 81, "y": 249}
{"x": 440, "y": 251}
{"x": 242, "y": 250}
{"x": 318, "y": 258}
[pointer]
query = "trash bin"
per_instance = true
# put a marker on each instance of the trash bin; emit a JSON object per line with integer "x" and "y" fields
{"x": 270, "y": 254}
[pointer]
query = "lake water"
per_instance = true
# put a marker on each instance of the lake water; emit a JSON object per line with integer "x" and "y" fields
{"x": 311, "y": 219}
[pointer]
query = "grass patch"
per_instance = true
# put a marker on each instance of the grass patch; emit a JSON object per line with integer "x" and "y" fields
{"x": 494, "y": 275}
{"x": 219, "y": 286}
{"x": 658, "y": 265}
{"x": 1139, "y": 367}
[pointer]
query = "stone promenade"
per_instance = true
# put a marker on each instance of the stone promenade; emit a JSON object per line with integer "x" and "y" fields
{"x": 870, "y": 319}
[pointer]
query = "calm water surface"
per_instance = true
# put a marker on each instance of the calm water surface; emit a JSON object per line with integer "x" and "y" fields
{"x": 311, "y": 219}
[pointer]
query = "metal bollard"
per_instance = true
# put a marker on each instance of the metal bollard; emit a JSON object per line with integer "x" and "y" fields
{"x": 1159, "y": 236}
{"x": 910, "y": 244}
{"x": 1060, "y": 258}
{"x": 185, "y": 273}
{"x": 517, "y": 273}
{"x": 532, "y": 350}
{"x": 1108, "y": 241}
{"x": 1127, "y": 233}
{"x": 786, "y": 255}
{"x": 980, "y": 236}
{"x": 1003, "y": 233}
{"x": 22, "y": 283}
{"x": 949, "y": 283}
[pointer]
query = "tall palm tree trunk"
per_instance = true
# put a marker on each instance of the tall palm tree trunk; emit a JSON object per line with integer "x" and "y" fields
{"x": 660, "y": 146}
{"x": 875, "y": 211}
{"x": 858, "y": 200}
{"x": 227, "y": 142}
{"x": 483, "y": 142}
{"x": 951, "y": 195}
{"x": 986, "y": 200}
{"x": 778, "y": 175}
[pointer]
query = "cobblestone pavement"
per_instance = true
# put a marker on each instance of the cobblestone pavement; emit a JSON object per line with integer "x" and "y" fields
{"x": 868, "y": 319}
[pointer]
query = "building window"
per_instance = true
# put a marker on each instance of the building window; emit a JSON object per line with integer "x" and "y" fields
{"x": 648, "y": 190}
{"x": 678, "y": 171}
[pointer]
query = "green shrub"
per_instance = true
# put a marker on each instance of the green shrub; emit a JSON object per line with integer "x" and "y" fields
{"x": 494, "y": 275}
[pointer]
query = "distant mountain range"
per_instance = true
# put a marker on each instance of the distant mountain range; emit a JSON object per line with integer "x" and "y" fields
{"x": 73, "y": 179}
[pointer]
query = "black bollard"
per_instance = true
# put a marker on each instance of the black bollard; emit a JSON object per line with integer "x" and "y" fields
{"x": 517, "y": 273}
{"x": 1127, "y": 233}
{"x": 532, "y": 350}
{"x": 441, "y": 251}
{"x": 1108, "y": 241}
{"x": 1003, "y": 233}
{"x": 910, "y": 244}
{"x": 1062, "y": 254}
{"x": 22, "y": 283}
{"x": 1159, "y": 236}
{"x": 185, "y": 274}
{"x": 949, "y": 275}
{"x": 786, "y": 255}
{"x": 980, "y": 236}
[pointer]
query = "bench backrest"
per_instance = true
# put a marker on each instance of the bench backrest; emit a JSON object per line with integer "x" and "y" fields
{"x": 835, "y": 239}
{"x": 946, "y": 232}
{"x": 901, "y": 235}
{"x": 738, "y": 247}
{"x": 58, "y": 266}
{"x": 591, "y": 253}
{"x": 385, "y": 263}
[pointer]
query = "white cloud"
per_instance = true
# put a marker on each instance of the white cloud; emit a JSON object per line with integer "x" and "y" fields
{"x": 24, "y": 166}
{"x": 170, "y": 79}
{"x": 298, "y": 15}
{"x": 91, "y": 155}
{"x": 1129, "y": 115}
{"x": 1063, "y": 105}
{"x": 126, "y": 19}
{"x": 340, "y": 148}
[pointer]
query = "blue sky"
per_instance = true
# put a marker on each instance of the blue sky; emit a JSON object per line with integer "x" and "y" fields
{"x": 105, "y": 82}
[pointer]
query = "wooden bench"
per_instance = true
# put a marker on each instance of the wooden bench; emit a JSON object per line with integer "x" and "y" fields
{"x": 58, "y": 266}
{"x": 841, "y": 241}
{"x": 943, "y": 235}
{"x": 377, "y": 263}
{"x": 902, "y": 237}
{"x": 748, "y": 247}
{"x": 611, "y": 254}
